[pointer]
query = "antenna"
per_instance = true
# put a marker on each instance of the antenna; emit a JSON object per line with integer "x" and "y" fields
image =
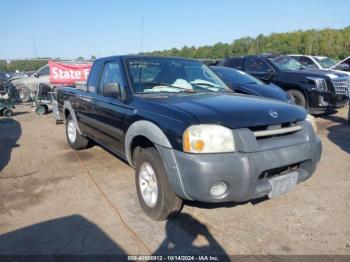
{"x": 141, "y": 39}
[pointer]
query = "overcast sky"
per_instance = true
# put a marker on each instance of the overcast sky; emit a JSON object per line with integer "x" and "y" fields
{"x": 69, "y": 29}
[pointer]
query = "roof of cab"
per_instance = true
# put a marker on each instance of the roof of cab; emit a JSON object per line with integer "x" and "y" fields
{"x": 145, "y": 56}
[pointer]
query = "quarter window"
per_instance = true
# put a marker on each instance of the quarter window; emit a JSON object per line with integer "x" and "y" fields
{"x": 236, "y": 63}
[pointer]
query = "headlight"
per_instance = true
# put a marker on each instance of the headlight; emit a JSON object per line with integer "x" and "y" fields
{"x": 208, "y": 139}
{"x": 320, "y": 83}
{"x": 312, "y": 120}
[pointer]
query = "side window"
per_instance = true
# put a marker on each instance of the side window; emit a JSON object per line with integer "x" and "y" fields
{"x": 111, "y": 74}
{"x": 236, "y": 63}
{"x": 257, "y": 65}
{"x": 307, "y": 62}
{"x": 45, "y": 71}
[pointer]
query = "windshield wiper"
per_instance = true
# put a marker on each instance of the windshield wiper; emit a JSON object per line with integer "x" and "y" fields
{"x": 212, "y": 85}
{"x": 168, "y": 85}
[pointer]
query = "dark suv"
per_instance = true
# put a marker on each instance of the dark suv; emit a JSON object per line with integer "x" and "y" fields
{"x": 318, "y": 91}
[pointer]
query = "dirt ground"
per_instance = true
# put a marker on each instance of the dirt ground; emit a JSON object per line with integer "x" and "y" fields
{"x": 57, "y": 201}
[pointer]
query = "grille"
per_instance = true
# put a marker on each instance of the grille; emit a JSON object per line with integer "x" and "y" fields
{"x": 275, "y": 130}
{"x": 279, "y": 171}
{"x": 341, "y": 86}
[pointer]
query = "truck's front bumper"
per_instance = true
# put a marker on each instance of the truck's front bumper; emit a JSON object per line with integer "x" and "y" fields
{"x": 321, "y": 102}
{"x": 245, "y": 174}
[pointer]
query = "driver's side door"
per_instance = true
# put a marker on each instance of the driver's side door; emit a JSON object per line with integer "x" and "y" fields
{"x": 109, "y": 112}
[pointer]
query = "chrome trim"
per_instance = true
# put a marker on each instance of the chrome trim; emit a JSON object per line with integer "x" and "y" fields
{"x": 279, "y": 131}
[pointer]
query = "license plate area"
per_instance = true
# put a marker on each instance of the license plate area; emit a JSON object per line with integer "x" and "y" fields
{"x": 283, "y": 184}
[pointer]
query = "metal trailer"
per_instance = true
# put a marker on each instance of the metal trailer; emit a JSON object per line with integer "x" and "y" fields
{"x": 8, "y": 96}
{"x": 42, "y": 99}
{"x": 6, "y": 105}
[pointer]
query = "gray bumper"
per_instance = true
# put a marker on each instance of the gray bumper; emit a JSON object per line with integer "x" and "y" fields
{"x": 245, "y": 173}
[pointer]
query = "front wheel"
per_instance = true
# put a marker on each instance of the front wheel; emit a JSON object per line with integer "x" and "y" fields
{"x": 7, "y": 112}
{"x": 75, "y": 140}
{"x": 154, "y": 191}
{"x": 298, "y": 97}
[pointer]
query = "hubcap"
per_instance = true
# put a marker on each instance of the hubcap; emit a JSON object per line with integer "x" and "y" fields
{"x": 148, "y": 184}
{"x": 72, "y": 131}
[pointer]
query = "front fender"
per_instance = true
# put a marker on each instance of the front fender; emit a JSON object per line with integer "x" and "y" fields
{"x": 147, "y": 129}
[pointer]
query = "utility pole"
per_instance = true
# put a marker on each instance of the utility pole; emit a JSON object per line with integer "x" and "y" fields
{"x": 34, "y": 49}
{"x": 141, "y": 38}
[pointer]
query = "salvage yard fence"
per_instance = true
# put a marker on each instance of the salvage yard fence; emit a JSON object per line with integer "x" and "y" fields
{"x": 8, "y": 91}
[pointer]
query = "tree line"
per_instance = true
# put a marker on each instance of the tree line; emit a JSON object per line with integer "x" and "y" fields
{"x": 21, "y": 65}
{"x": 29, "y": 64}
{"x": 334, "y": 43}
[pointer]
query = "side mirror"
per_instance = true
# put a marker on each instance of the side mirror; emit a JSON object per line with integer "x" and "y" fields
{"x": 268, "y": 76}
{"x": 112, "y": 90}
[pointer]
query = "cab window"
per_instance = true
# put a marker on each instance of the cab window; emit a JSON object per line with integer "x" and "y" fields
{"x": 307, "y": 62}
{"x": 111, "y": 74}
{"x": 257, "y": 65}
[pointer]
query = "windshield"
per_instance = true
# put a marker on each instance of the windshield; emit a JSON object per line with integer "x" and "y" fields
{"x": 285, "y": 63}
{"x": 159, "y": 75}
{"x": 325, "y": 62}
{"x": 236, "y": 77}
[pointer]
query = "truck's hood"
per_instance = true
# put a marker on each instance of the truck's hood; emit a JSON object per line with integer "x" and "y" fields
{"x": 234, "y": 110}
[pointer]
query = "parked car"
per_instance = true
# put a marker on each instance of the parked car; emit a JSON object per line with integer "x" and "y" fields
{"x": 318, "y": 91}
{"x": 28, "y": 85}
{"x": 187, "y": 135}
{"x": 323, "y": 63}
{"x": 244, "y": 83}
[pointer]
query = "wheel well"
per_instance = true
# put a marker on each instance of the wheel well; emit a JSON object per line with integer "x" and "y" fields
{"x": 46, "y": 106}
{"x": 66, "y": 113}
{"x": 139, "y": 141}
{"x": 301, "y": 90}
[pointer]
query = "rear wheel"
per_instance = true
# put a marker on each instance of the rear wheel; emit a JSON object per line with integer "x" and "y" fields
{"x": 75, "y": 140}
{"x": 298, "y": 97}
{"x": 154, "y": 191}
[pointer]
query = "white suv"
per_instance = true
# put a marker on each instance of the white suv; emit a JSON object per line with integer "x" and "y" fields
{"x": 323, "y": 63}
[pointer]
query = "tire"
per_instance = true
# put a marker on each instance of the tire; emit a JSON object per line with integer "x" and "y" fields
{"x": 41, "y": 110}
{"x": 24, "y": 94}
{"x": 7, "y": 112}
{"x": 298, "y": 97}
{"x": 75, "y": 140}
{"x": 166, "y": 203}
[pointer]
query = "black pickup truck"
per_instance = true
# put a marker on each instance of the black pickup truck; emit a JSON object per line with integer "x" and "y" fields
{"x": 186, "y": 134}
{"x": 318, "y": 91}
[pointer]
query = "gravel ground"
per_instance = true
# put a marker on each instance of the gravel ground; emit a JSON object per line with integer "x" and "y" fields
{"x": 57, "y": 201}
